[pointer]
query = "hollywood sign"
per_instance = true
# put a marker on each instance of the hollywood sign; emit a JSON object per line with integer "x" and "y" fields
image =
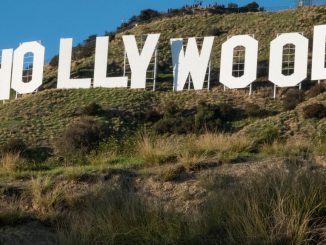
{"x": 187, "y": 61}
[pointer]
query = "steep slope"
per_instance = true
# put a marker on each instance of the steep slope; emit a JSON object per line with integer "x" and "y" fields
{"x": 40, "y": 117}
{"x": 293, "y": 123}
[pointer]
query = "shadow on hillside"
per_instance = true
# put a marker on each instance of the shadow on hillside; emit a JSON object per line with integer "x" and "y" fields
{"x": 38, "y": 154}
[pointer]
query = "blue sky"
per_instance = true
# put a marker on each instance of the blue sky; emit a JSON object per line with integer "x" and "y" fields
{"x": 48, "y": 20}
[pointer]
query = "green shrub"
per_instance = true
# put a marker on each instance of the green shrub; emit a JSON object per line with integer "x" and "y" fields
{"x": 207, "y": 117}
{"x": 174, "y": 121}
{"x": 177, "y": 125}
{"x": 214, "y": 117}
{"x": 315, "y": 110}
{"x": 151, "y": 116}
{"x": 92, "y": 109}
{"x": 266, "y": 135}
{"x": 227, "y": 112}
{"x": 292, "y": 98}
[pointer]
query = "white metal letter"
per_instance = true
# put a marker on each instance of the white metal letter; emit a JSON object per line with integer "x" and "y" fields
{"x": 190, "y": 62}
{"x": 319, "y": 53}
{"x": 38, "y": 51}
{"x": 139, "y": 62}
{"x": 64, "y": 69}
{"x": 250, "y": 64}
{"x": 100, "y": 70}
{"x": 5, "y": 74}
{"x": 300, "y": 63}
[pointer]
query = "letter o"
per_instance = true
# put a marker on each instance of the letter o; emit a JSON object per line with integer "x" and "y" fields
{"x": 300, "y": 63}
{"x": 38, "y": 51}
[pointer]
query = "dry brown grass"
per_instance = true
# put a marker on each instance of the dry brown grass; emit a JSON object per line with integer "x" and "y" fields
{"x": 191, "y": 161}
{"x": 12, "y": 162}
{"x": 224, "y": 147}
{"x": 158, "y": 150}
{"x": 223, "y": 143}
{"x": 45, "y": 196}
{"x": 192, "y": 149}
{"x": 293, "y": 147}
{"x": 275, "y": 207}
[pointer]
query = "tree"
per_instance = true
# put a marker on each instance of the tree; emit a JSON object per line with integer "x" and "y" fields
{"x": 232, "y": 6}
{"x": 251, "y": 7}
{"x": 148, "y": 14}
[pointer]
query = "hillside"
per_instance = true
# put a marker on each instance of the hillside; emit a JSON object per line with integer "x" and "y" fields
{"x": 38, "y": 118}
{"x": 122, "y": 166}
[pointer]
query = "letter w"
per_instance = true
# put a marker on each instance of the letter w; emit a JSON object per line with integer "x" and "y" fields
{"x": 190, "y": 62}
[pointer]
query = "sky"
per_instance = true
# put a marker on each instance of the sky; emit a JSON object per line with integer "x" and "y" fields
{"x": 50, "y": 20}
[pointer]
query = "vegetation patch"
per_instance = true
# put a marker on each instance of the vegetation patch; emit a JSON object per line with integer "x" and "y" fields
{"x": 315, "y": 110}
{"x": 292, "y": 98}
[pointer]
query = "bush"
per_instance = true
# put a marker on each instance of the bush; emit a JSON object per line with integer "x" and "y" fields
{"x": 292, "y": 98}
{"x": 316, "y": 90}
{"x": 14, "y": 146}
{"x": 92, "y": 109}
{"x": 111, "y": 35}
{"x": 266, "y": 135}
{"x": 215, "y": 32}
{"x": 172, "y": 173}
{"x": 254, "y": 110}
{"x": 251, "y": 7}
{"x": 174, "y": 125}
{"x": 213, "y": 117}
{"x": 54, "y": 61}
{"x": 170, "y": 109}
{"x": 207, "y": 118}
{"x": 227, "y": 112}
{"x": 151, "y": 115}
{"x": 85, "y": 49}
{"x": 315, "y": 110}
{"x": 148, "y": 14}
{"x": 83, "y": 136}
{"x": 175, "y": 121}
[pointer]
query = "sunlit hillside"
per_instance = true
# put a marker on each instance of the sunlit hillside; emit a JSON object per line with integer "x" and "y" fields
{"x": 123, "y": 166}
